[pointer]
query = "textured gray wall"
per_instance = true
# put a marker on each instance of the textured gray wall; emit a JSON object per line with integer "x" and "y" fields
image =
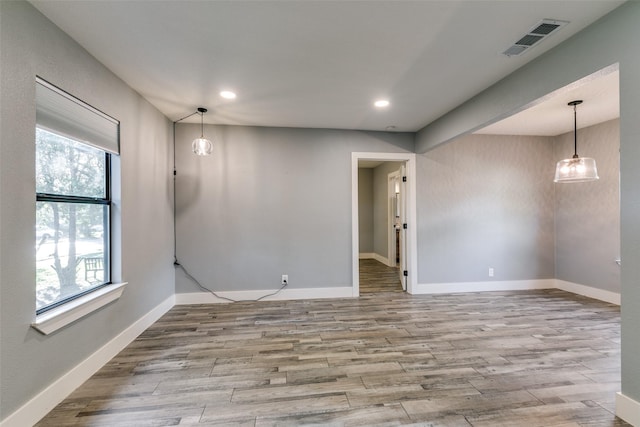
{"x": 588, "y": 213}
{"x": 486, "y": 201}
{"x": 30, "y": 45}
{"x": 611, "y": 40}
{"x": 269, "y": 201}
{"x": 365, "y": 209}
{"x": 381, "y": 206}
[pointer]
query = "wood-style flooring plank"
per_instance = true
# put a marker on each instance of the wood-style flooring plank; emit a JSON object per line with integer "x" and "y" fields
{"x": 500, "y": 359}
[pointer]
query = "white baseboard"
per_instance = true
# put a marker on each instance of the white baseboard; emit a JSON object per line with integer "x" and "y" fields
{"x": 382, "y": 259}
{"x": 588, "y": 291}
{"x": 518, "y": 285}
{"x": 285, "y": 294}
{"x": 627, "y": 409}
{"x": 507, "y": 285}
{"x": 40, "y": 405}
{"x": 377, "y": 257}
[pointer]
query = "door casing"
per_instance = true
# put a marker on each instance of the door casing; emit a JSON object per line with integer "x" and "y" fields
{"x": 411, "y": 216}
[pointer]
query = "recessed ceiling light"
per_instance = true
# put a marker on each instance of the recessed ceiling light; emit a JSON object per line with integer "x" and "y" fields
{"x": 381, "y": 103}
{"x": 227, "y": 94}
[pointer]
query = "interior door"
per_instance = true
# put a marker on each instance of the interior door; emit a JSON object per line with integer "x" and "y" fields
{"x": 403, "y": 226}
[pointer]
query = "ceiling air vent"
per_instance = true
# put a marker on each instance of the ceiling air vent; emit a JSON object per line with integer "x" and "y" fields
{"x": 539, "y": 31}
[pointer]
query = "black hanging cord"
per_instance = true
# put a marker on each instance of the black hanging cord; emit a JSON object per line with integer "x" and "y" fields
{"x": 176, "y": 263}
{"x": 575, "y": 127}
{"x": 175, "y": 257}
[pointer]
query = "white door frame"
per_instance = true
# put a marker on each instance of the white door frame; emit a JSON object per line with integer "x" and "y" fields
{"x": 412, "y": 240}
{"x": 391, "y": 220}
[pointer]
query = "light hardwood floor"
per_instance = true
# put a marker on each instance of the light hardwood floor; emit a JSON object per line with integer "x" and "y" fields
{"x": 377, "y": 277}
{"x": 529, "y": 358}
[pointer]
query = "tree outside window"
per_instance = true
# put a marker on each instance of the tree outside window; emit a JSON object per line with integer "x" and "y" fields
{"x": 72, "y": 218}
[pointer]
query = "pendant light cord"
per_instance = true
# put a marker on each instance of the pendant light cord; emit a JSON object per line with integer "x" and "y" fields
{"x": 201, "y": 111}
{"x": 575, "y": 131}
{"x": 175, "y": 256}
{"x": 575, "y": 126}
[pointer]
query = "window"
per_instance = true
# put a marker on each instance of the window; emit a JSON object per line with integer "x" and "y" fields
{"x": 74, "y": 145}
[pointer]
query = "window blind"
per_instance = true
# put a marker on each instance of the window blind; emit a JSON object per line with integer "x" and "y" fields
{"x": 59, "y": 112}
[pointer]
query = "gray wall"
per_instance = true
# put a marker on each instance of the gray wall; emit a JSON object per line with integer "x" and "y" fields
{"x": 30, "y": 45}
{"x": 269, "y": 201}
{"x": 609, "y": 41}
{"x": 381, "y": 206}
{"x": 490, "y": 201}
{"x": 588, "y": 214}
{"x": 486, "y": 201}
{"x": 365, "y": 210}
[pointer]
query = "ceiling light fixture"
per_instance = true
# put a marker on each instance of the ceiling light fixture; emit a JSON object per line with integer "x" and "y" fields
{"x": 227, "y": 94}
{"x": 576, "y": 169}
{"x": 202, "y": 146}
{"x": 381, "y": 103}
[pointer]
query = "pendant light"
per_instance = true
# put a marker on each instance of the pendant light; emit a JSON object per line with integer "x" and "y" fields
{"x": 202, "y": 146}
{"x": 576, "y": 169}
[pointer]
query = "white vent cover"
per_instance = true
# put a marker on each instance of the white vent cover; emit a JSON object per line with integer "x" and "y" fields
{"x": 538, "y": 32}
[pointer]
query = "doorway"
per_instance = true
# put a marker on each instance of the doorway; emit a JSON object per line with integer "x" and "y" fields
{"x": 398, "y": 235}
{"x": 380, "y": 214}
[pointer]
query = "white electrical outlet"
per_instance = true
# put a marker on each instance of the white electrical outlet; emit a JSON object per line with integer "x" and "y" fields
{"x": 490, "y": 271}
{"x": 285, "y": 279}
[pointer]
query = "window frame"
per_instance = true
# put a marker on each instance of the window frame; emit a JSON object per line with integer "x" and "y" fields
{"x": 106, "y": 224}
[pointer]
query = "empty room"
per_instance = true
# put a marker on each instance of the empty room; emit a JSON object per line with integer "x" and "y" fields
{"x": 335, "y": 213}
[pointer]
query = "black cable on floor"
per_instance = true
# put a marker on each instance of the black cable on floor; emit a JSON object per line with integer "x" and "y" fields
{"x": 204, "y": 288}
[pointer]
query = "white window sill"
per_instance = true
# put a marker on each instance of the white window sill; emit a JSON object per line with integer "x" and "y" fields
{"x": 59, "y": 317}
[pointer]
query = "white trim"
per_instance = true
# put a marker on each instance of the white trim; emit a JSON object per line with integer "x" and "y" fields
{"x": 59, "y": 317}
{"x": 385, "y": 261}
{"x": 285, "y": 294}
{"x": 355, "y": 232}
{"x": 412, "y": 235}
{"x": 588, "y": 291}
{"x": 377, "y": 257}
{"x": 40, "y": 405}
{"x": 507, "y": 285}
{"x": 422, "y": 288}
{"x": 627, "y": 409}
{"x": 518, "y": 285}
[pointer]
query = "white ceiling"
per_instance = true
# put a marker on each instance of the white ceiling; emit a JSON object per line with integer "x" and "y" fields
{"x": 316, "y": 64}
{"x": 553, "y": 116}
